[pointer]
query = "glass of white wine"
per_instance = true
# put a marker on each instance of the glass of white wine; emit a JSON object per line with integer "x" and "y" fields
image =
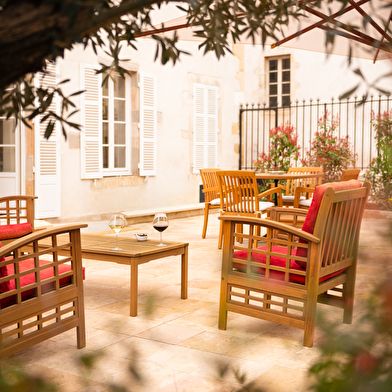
{"x": 160, "y": 223}
{"x": 117, "y": 223}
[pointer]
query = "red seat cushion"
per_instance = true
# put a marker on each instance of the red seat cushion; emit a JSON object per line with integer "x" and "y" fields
{"x": 277, "y": 262}
{"x": 8, "y": 232}
{"x": 311, "y": 216}
{"x": 30, "y": 278}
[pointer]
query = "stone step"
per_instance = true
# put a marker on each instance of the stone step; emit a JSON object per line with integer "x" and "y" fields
{"x": 174, "y": 212}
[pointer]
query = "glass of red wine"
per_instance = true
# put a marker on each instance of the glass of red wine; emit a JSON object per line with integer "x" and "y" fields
{"x": 160, "y": 223}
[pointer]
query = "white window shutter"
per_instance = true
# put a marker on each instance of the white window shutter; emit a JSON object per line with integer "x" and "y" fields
{"x": 91, "y": 114}
{"x": 205, "y": 127}
{"x": 47, "y": 155}
{"x": 212, "y": 127}
{"x": 148, "y": 124}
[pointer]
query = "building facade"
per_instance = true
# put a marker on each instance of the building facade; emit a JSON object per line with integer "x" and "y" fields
{"x": 145, "y": 137}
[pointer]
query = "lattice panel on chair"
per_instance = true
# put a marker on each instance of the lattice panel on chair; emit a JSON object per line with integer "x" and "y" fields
{"x": 27, "y": 327}
{"x": 13, "y": 212}
{"x": 266, "y": 257}
{"x": 265, "y": 300}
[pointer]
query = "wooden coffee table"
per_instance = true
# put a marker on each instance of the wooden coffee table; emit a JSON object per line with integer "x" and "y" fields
{"x": 98, "y": 246}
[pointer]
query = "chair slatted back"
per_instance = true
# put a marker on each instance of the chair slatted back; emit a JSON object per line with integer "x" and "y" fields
{"x": 210, "y": 183}
{"x": 304, "y": 182}
{"x": 350, "y": 174}
{"x": 239, "y": 189}
{"x": 338, "y": 225}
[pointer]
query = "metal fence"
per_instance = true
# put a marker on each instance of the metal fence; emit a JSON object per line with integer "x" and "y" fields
{"x": 255, "y": 122}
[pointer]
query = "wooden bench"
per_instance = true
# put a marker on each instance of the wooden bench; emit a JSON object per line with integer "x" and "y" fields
{"x": 41, "y": 289}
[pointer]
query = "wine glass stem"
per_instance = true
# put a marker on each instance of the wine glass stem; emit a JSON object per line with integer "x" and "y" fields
{"x": 161, "y": 237}
{"x": 116, "y": 240}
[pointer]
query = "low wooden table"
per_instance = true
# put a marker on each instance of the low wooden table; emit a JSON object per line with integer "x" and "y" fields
{"x": 98, "y": 246}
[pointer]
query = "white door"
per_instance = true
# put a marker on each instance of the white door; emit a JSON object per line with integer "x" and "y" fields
{"x": 47, "y": 159}
{"x": 9, "y": 158}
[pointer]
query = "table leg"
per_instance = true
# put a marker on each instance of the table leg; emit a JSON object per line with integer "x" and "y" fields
{"x": 184, "y": 274}
{"x": 134, "y": 288}
{"x": 276, "y": 195}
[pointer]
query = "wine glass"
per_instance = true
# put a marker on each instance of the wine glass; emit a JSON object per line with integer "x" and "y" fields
{"x": 160, "y": 223}
{"x": 117, "y": 223}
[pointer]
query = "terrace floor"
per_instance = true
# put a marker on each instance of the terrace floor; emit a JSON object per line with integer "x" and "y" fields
{"x": 175, "y": 344}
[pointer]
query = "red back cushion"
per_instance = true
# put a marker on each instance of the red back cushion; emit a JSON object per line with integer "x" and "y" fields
{"x": 310, "y": 220}
{"x": 15, "y": 231}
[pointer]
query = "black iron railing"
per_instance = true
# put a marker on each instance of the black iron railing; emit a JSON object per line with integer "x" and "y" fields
{"x": 255, "y": 122}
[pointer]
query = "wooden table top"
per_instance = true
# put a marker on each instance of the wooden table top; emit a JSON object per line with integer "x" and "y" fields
{"x": 102, "y": 243}
{"x": 100, "y": 246}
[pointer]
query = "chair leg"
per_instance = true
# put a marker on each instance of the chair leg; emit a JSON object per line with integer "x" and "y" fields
{"x": 348, "y": 296}
{"x": 222, "y": 321}
{"x": 310, "y": 320}
{"x": 206, "y": 213}
{"x": 220, "y": 240}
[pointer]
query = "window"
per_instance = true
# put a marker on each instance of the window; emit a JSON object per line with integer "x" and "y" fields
{"x": 279, "y": 81}
{"x": 107, "y": 124}
{"x": 7, "y": 146}
{"x": 114, "y": 126}
{"x": 205, "y": 126}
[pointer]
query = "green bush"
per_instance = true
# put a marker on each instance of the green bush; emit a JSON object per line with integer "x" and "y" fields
{"x": 283, "y": 150}
{"x": 379, "y": 172}
{"x": 328, "y": 151}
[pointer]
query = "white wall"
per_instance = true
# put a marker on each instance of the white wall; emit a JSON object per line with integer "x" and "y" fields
{"x": 174, "y": 184}
{"x": 240, "y": 79}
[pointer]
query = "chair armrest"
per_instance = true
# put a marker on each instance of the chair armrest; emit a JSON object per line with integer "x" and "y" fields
{"x": 214, "y": 188}
{"x": 273, "y": 225}
{"x": 298, "y": 191}
{"x": 38, "y": 235}
{"x": 268, "y": 193}
{"x": 291, "y": 216}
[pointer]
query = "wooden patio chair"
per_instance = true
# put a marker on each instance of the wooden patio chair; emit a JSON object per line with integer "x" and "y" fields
{"x": 350, "y": 174}
{"x": 283, "y": 280}
{"x": 240, "y": 195}
{"x": 16, "y": 217}
{"x": 304, "y": 202}
{"x": 211, "y": 195}
{"x": 292, "y": 185}
{"x": 41, "y": 288}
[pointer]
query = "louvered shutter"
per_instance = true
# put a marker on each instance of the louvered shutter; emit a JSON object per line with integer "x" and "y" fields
{"x": 205, "y": 126}
{"x": 91, "y": 134}
{"x": 148, "y": 124}
{"x": 47, "y": 156}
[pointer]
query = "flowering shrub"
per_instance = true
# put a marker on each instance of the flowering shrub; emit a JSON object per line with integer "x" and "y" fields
{"x": 283, "y": 150}
{"x": 379, "y": 172}
{"x": 328, "y": 151}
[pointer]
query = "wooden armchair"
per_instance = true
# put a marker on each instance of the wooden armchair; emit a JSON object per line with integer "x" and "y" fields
{"x": 292, "y": 185}
{"x": 350, "y": 174}
{"x": 16, "y": 217}
{"x": 41, "y": 288}
{"x": 302, "y": 196}
{"x": 211, "y": 195}
{"x": 240, "y": 195}
{"x": 283, "y": 280}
